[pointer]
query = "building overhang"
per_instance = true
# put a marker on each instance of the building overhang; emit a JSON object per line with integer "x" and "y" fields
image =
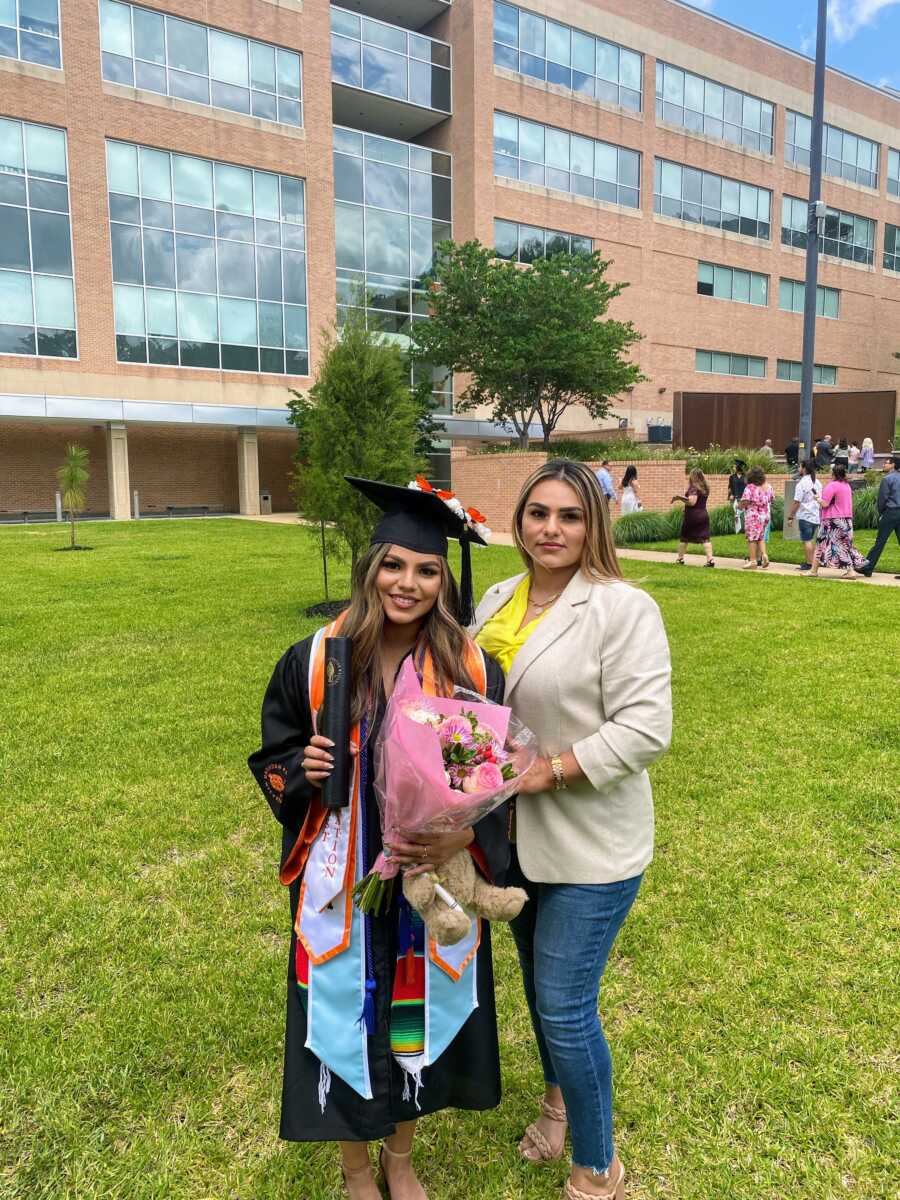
{"x": 411, "y": 14}
{"x": 362, "y": 109}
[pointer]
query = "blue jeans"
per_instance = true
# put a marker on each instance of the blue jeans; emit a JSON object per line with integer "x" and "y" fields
{"x": 564, "y": 935}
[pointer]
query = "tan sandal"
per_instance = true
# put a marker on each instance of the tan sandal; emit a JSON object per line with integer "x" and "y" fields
{"x": 539, "y": 1143}
{"x": 613, "y": 1176}
{"x": 395, "y": 1154}
{"x": 356, "y": 1174}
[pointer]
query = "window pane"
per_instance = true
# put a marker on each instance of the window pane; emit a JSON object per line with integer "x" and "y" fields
{"x": 115, "y": 28}
{"x": 759, "y": 289}
{"x": 45, "y": 150}
{"x": 196, "y": 260}
{"x": 506, "y": 24}
{"x": 122, "y": 169}
{"x": 16, "y": 306}
{"x": 149, "y": 35}
{"x": 129, "y": 305}
{"x": 54, "y": 302}
{"x": 51, "y": 245}
{"x": 155, "y": 180}
{"x": 161, "y": 313}
{"x": 348, "y": 228}
{"x": 126, "y": 254}
{"x": 187, "y": 46}
{"x": 193, "y": 181}
{"x": 159, "y": 258}
{"x": 14, "y": 250}
{"x": 197, "y": 318}
{"x": 387, "y": 242}
{"x": 229, "y": 59}
{"x": 234, "y": 189}
{"x": 289, "y": 74}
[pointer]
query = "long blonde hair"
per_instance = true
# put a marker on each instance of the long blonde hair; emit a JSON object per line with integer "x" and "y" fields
{"x": 698, "y": 479}
{"x": 598, "y": 556}
{"x": 441, "y": 633}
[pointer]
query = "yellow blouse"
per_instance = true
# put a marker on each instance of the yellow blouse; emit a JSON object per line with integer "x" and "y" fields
{"x": 501, "y": 636}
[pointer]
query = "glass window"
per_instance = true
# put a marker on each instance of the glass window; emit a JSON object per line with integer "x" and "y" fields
{"x": 29, "y": 30}
{"x": 845, "y": 235}
{"x": 703, "y": 106}
{"x": 844, "y": 155}
{"x": 195, "y": 296}
{"x": 205, "y": 65}
{"x": 700, "y": 197}
{"x": 893, "y": 172}
{"x": 566, "y": 161}
{"x": 525, "y": 243}
{"x": 37, "y": 299}
{"x": 791, "y": 371}
{"x": 719, "y": 362}
{"x": 388, "y": 60}
{"x": 892, "y": 248}
{"x": 549, "y": 50}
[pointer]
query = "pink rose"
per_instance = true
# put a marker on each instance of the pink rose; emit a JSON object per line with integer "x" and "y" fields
{"x": 486, "y": 778}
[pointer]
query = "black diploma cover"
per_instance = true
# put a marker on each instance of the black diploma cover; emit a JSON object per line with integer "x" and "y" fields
{"x": 335, "y": 720}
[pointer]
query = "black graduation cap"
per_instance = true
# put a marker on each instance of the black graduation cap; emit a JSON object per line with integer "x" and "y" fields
{"x": 739, "y": 463}
{"x": 421, "y": 521}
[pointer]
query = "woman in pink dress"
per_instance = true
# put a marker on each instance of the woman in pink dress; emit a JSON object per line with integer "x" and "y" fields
{"x": 834, "y": 544}
{"x": 757, "y": 505}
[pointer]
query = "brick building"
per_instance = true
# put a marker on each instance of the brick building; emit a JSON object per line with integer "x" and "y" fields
{"x": 189, "y": 191}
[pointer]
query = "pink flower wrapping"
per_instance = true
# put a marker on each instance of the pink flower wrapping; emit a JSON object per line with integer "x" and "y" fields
{"x": 412, "y": 781}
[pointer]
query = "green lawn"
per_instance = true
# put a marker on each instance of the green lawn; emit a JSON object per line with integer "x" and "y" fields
{"x": 750, "y": 1001}
{"x": 735, "y": 546}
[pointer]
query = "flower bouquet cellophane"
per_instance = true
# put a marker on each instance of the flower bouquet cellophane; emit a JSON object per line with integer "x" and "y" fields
{"x": 441, "y": 764}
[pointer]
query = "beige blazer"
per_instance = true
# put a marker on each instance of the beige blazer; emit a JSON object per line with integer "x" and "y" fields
{"x": 593, "y": 678}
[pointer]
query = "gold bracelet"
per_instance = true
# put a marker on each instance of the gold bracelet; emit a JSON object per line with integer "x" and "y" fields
{"x": 559, "y": 778}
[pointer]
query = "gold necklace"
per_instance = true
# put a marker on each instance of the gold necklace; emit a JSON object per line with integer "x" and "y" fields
{"x": 540, "y": 606}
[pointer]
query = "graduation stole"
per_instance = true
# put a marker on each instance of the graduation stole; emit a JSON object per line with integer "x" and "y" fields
{"x": 434, "y": 988}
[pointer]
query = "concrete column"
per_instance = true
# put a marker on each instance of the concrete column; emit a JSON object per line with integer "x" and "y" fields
{"x": 117, "y": 471}
{"x": 248, "y": 472}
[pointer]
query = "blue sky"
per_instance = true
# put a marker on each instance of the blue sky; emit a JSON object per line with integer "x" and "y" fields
{"x": 863, "y": 35}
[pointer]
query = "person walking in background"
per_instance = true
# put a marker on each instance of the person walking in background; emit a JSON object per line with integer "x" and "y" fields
{"x": 606, "y": 484}
{"x": 867, "y": 454}
{"x": 834, "y": 545}
{"x": 854, "y": 457}
{"x": 805, "y": 510}
{"x": 889, "y": 514}
{"x": 757, "y": 505}
{"x": 766, "y": 448}
{"x": 824, "y": 452}
{"x": 695, "y": 524}
{"x": 842, "y": 454}
{"x": 737, "y": 481}
{"x": 792, "y": 453}
{"x": 631, "y": 492}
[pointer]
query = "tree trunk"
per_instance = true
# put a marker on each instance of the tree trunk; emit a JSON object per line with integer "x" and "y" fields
{"x": 324, "y": 558}
{"x": 546, "y": 442}
{"x": 523, "y": 438}
{"x": 72, "y": 521}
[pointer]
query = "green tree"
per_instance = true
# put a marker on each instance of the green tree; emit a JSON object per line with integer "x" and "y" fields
{"x": 358, "y": 418}
{"x": 532, "y": 341}
{"x": 72, "y": 478}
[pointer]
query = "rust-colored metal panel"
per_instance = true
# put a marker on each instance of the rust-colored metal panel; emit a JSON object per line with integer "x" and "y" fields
{"x": 701, "y": 419}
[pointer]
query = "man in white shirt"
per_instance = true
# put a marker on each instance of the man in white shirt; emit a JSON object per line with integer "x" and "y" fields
{"x": 606, "y": 484}
{"x": 805, "y": 509}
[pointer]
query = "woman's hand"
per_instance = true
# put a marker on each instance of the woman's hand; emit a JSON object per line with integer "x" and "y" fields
{"x": 318, "y": 760}
{"x": 423, "y": 852}
{"x": 538, "y": 778}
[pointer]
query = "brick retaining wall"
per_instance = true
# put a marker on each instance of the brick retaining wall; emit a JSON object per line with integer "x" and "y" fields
{"x": 492, "y": 482}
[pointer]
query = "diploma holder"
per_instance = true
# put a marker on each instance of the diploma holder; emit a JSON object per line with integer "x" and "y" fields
{"x": 335, "y": 720}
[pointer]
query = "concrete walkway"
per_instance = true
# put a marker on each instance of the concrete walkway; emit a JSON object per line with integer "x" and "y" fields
{"x": 880, "y": 578}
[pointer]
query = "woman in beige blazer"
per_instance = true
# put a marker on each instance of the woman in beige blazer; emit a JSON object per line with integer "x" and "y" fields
{"x": 587, "y": 665}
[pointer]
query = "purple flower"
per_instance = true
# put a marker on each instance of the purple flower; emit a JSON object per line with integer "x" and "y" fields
{"x": 455, "y": 731}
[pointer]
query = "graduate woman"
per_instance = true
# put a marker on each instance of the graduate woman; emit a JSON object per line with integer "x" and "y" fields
{"x": 381, "y": 1028}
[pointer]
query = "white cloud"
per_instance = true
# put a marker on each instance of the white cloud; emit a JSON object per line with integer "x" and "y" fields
{"x": 807, "y": 40}
{"x": 848, "y": 17}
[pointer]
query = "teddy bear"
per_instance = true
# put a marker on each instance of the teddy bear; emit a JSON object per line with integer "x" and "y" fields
{"x": 473, "y": 895}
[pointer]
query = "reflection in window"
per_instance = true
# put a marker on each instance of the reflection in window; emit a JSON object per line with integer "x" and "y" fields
{"x": 716, "y": 362}
{"x": 547, "y": 50}
{"x": 792, "y": 293}
{"x": 37, "y": 292}
{"x": 209, "y": 263}
{"x": 29, "y": 30}
{"x": 392, "y": 206}
{"x": 525, "y": 243}
{"x": 158, "y": 53}
{"x": 389, "y": 60}
{"x": 713, "y": 109}
{"x": 893, "y": 173}
{"x": 730, "y": 283}
{"x": 892, "y": 247}
{"x": 844, "y": 155}
{"x": 706, "y": 199}
{"x": 844, "y": 235}
{"x": 566, "y": 161}
{"x": 792, "y": 372}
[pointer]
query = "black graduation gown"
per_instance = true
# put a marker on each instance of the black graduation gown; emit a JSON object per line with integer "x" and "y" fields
{"x": 467, "y": 1074}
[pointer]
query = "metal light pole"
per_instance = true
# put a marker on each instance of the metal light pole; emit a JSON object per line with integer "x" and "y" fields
{"x": 816, "y": 216}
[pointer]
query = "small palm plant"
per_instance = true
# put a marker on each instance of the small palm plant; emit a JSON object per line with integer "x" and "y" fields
{"x": 72, "y": 478}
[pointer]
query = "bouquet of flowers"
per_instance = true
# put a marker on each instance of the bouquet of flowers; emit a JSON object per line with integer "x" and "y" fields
{"x": 441, "y": 764}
